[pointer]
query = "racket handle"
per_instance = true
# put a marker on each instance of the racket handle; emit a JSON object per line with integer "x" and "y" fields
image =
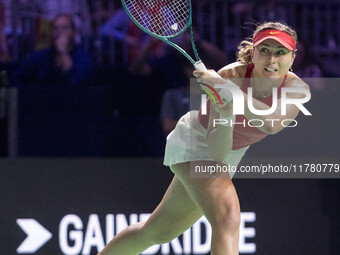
{"x": 200, "y": 66}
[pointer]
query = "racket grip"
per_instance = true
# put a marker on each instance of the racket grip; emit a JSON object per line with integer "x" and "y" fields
{"x": 200, "y": 66}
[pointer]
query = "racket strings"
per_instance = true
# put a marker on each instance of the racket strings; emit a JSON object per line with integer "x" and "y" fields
{"x": 161, "y": 17}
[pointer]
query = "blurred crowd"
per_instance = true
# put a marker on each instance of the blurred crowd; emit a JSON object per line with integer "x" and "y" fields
{"x": 45, "y": 44}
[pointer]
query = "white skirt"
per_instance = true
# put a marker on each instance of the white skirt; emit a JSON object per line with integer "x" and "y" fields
{"x": 187, "y": 143}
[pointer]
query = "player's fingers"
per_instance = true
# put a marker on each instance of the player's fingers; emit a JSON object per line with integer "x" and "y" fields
{"x": 197, "y": 73}
{"x": 208, "y": 73}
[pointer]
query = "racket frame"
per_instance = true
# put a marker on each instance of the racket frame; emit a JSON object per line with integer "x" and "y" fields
{"x": 197, "y": 64}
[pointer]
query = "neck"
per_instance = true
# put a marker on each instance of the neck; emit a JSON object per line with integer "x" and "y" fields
{"x": 263, "y": 87}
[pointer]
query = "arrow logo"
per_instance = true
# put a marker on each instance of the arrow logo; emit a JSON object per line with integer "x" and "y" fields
{"x": 37, "y": 235}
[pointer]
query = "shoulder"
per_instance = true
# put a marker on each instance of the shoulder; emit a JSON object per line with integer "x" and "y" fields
{"x": 38, "y": 57}
{"x": 233, "y": 70}
{"x": 294, "y": 81}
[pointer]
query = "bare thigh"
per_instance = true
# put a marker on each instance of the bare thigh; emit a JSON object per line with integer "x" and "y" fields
{"x": 175, "y": 214}
{"x": 216, "y": 197}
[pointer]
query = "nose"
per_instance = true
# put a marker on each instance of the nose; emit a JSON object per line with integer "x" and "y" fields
{"x": 271, "y": 58}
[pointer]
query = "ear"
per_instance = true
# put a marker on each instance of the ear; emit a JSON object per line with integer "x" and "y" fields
{"x": 252, "y": 53}
{"x": 293, "y": 58}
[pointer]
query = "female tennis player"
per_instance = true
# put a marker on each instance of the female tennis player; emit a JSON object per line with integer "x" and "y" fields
{"x": 270, "y": 55}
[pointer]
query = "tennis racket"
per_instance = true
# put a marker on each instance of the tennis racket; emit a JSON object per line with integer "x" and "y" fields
{"x": 164, "y": 19}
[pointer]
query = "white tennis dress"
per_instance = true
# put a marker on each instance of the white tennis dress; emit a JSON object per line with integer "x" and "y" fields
{"x": 188, "y": 142}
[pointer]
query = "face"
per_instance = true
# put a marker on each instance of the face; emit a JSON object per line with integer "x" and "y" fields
{"x": 271, "y": 59}
{"x": 63, "y": 26}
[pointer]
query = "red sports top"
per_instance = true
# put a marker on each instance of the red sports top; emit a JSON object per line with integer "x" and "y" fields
{"x": 243, "y": 135}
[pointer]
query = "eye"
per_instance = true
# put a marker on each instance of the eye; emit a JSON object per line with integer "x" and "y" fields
{"x": 264, "y": 50}
{"x": 281, "y": 52}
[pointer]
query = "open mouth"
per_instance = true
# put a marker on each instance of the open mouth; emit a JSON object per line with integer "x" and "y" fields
{"x": 269, "y": 69}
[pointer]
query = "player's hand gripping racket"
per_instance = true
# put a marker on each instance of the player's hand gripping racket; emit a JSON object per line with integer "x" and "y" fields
{"x": 164, "y": 19}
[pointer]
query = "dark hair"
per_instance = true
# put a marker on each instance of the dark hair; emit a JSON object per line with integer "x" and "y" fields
{"x": 243, "y": 53}
{"x": 66, "y": 15}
